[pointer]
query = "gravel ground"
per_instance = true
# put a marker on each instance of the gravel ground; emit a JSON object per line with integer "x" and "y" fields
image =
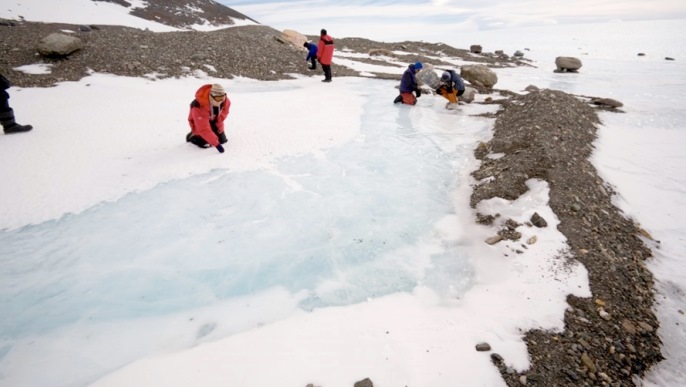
{"x": 608, "y": 339}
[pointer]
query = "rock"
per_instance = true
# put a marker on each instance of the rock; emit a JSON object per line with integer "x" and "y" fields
{"x": 645, "y": 234}
{"x": 538, "y": 221}
{"x": 468, "y": 96}
{"x": 604, "y": 376}
{"x": 294, "y": 37}
{"x": 645, "y": 327}
{"x": 604, "y": 315}
{"x": 499, "y": 52}
{"x": 58, "y": 45}
{"x": 641, "y": 54}
{"x": 366, "y": 382}
{"x": 532, "y": 240}
{"x": 85, "y": 28}
{"x": 522, "y": 380}
{"x": 479, "y": 73}
{"x": 475, "y": 48}
{"x": 588, "y": 362}
{"x": 483, "y": 347}
{"x": 567, "y": 63}
{"x": 496, "y": 358}
{"x": 668, "y": 58}
{"x": 531, "y": 88}
{"x": 494, "y": 239}
{"x": 607, "y": 102}
{"x": 518, "y": 54}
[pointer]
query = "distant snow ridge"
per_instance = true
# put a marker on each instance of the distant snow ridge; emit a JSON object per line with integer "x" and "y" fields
{"x": 184, "y": 14}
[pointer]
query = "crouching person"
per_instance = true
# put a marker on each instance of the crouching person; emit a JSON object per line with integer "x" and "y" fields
{"x": 408, "y": 85}
{"x": 452, "y": 86}
{"x": 208, "y": 111}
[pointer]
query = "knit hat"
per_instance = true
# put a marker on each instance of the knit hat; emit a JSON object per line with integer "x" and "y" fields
{"x": 217, "y": 90}
{"x": 445, "y": 77}
{"x": 418, "y": 66}
{"x": 306, "y": 45}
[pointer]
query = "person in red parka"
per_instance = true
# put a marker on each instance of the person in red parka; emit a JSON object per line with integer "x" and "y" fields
{"x": 209, "y": 109}
{"x": 325, "y": 54}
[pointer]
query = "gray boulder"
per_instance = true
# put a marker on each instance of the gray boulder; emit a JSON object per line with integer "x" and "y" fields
{"x": 59, "y": 45}
{"x": 567, "y": 63}
{"x": 479, "y": 74}
{"x": 518, "y": 54}
{"x": 475, "y": 48}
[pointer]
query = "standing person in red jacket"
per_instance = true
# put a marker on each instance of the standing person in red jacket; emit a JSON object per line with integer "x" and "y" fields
{"x": 325, "y": 54}
{"x": 209, "y": 109}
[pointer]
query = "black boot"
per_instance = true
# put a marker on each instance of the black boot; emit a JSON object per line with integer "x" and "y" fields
{"x": 9, "y": 125}
{"x": 398, "y": 99}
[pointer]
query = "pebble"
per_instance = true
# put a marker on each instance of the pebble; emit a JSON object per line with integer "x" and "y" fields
{"x": 494, "y": 239}
{"x": 588, "y": 362}
{"x": 483, "y": 347}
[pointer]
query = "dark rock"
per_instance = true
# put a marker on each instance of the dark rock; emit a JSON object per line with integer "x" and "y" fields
{"x": 483, "y": 347}
{"x": 538, "y": 221}
{"x": 364, "y": 383}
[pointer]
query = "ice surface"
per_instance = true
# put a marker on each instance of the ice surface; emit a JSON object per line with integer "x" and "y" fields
{"x": 332, "y": 228}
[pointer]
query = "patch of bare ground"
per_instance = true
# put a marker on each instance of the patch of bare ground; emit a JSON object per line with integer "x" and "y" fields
{"x": 611, "y": 337}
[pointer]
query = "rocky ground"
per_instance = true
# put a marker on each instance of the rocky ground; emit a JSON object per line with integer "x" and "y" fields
{"x": 608, "y": 339}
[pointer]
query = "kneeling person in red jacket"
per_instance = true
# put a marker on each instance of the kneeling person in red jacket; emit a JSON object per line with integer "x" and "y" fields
{"x": 209, "y": 109}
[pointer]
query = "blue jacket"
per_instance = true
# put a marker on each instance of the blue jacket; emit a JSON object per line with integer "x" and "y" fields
{"x": 312, "y": 51}
{"x": 456, "y": 80}
{"x": 408, "y": 83}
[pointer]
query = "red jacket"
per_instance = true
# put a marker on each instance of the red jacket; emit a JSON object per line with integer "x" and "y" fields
{"x": 325, "y": 50}
{"x": 200, "y": 116}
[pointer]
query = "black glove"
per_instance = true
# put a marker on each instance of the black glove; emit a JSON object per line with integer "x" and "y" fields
{"x": 220, "y": 148}
{"x": 449, "y": 89}
{"x": 417, "y": 92}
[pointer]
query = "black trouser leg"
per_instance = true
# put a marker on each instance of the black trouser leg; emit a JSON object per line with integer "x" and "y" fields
{"x": 314, "y": 64}
{"x": 199, "y": 141}
{"x": 327, "y": 72}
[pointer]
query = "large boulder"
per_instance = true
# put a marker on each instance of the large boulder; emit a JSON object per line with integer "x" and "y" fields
{"x": 58, "y": 45}
{"x": 479, "y": 74}
{"x": 294, "y": 37}
{"x": 567, "y": 63}
{"x": 475, "y": 48}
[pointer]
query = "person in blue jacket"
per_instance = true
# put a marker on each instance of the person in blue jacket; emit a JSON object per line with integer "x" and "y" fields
{"x": 453, "y": 81}
{"x": 408, "y": 85}
{"x": 451, "y": 86}
{"x": 311, "y": 54}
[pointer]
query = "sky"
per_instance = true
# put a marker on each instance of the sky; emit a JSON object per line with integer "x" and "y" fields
{"x": 444, "y": 20}
{"x": 134, "y": 259}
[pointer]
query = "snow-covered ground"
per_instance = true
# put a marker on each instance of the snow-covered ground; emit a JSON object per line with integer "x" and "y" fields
{"x": 333, "y": 241}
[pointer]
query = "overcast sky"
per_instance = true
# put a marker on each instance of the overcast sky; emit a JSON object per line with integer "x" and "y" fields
{"x": 385, "y": 19}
